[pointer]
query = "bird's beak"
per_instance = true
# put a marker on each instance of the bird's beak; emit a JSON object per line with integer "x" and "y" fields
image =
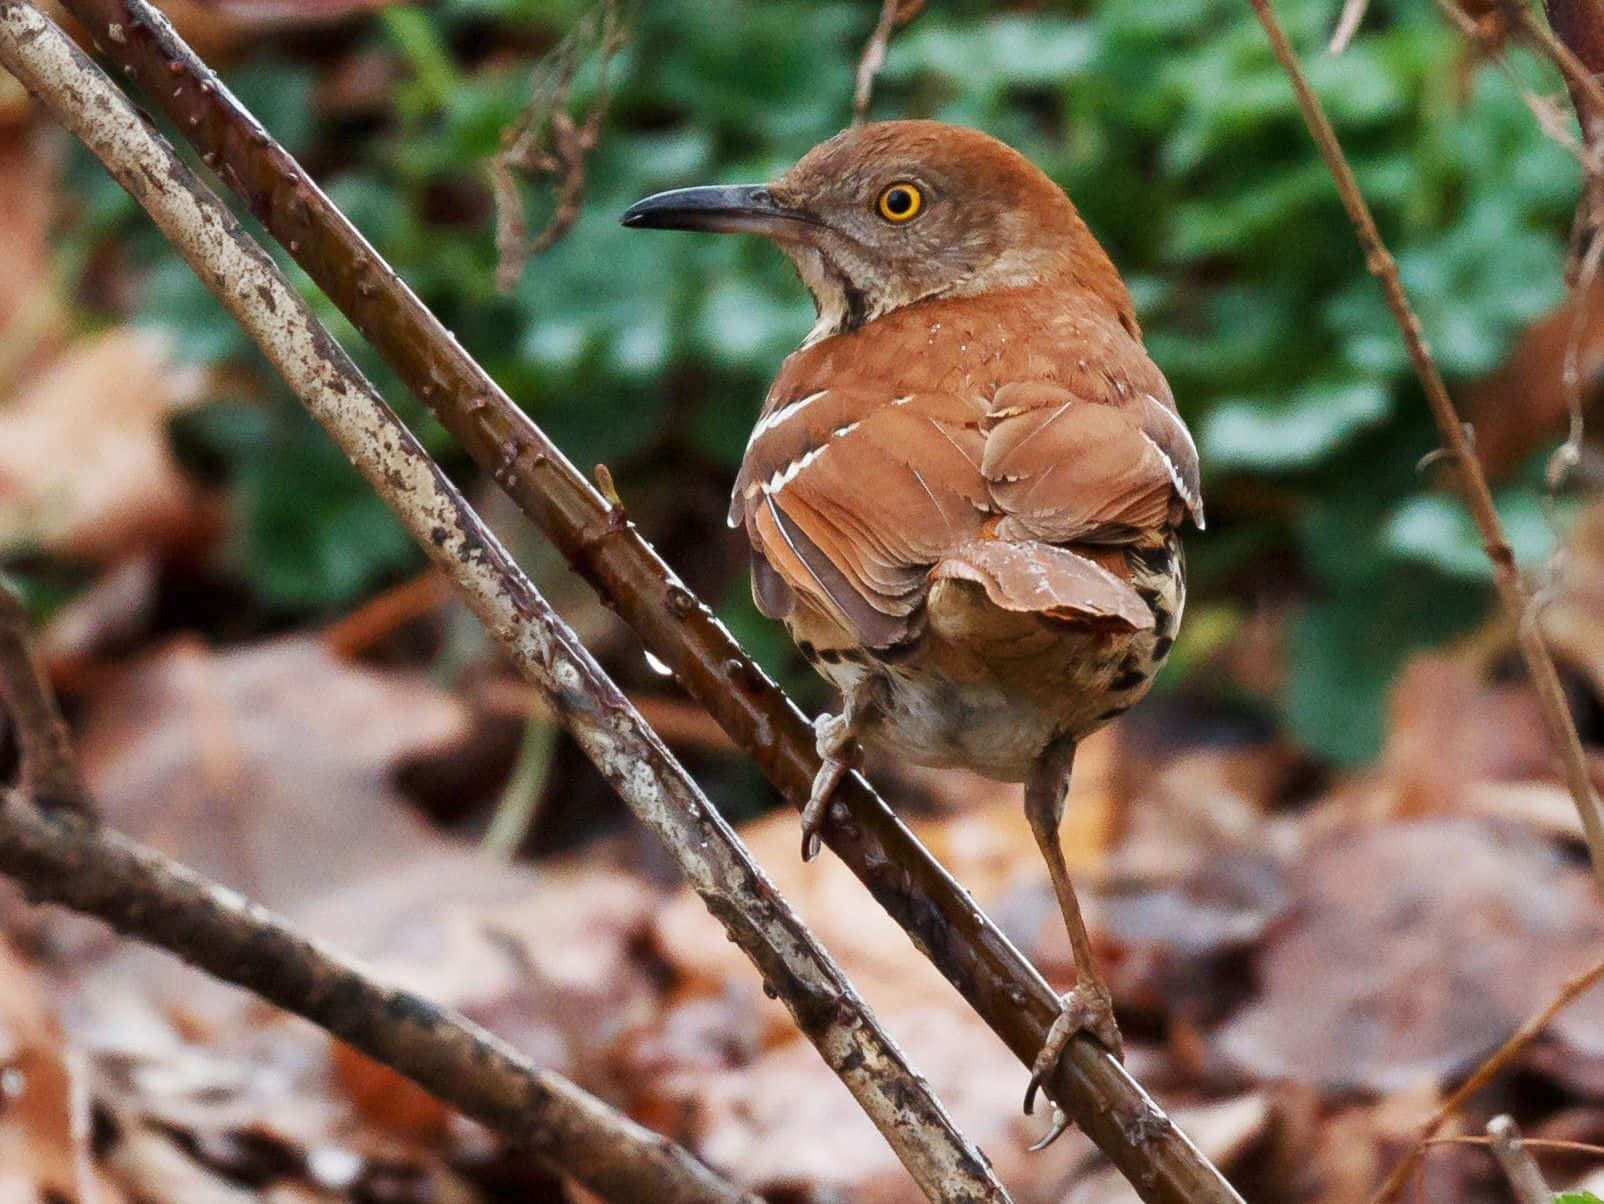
{"x": 719, "y": 209}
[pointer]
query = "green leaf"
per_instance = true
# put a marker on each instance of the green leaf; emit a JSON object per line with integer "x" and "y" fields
{"x": 1279, "y": 436}
{"x": 1346, "y": 650}
{"x": 1438, "y": 531}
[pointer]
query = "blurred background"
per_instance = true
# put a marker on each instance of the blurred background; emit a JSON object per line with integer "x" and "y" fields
{"x": 268, "y": 682}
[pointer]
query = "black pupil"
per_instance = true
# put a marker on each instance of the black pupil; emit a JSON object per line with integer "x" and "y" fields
{"x": 898, "y": 201}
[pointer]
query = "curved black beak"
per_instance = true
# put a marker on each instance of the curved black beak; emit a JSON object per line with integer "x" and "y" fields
{"x": 718, "y": 208}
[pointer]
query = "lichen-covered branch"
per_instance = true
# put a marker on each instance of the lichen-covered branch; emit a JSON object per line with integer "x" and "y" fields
{"x": 1001, "y": 985}
{"x": 61, "y": 856}
{"x": 602, "y": 721}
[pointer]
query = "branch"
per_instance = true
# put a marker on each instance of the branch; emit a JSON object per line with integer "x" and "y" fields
{"x": 1512, "y": 587}
{"x": 600, "y": 718}
{"x": 968, "y": 948}
{"x": 60, "y": 856}
{"x": 1517, "y": 1163}
{"x": 49, "y": 764}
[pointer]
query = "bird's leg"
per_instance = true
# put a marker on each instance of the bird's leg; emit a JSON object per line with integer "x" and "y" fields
{"x": 1087, "y": 1006}
{"x": 836, "y": 737}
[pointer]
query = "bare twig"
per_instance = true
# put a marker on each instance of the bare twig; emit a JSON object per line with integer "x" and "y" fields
{"x": 1484, "y": 1074}
{"x": 549, "y": 143}
{"x": 603, "y": 723}
{"x": 379, "y": 617}
{"x": 63, "y": 857}
{"x": 1578, "y": 52}
{"x": 893, "y": 13}
{"x": 1489, "y": 32}
{"x": 1512, "y": 586}
{"x": 1551, "y": 1144}
{"x": 1517, "y": 1163}
{"x": 49, "y": 764}
{"x": 1353, "y": 12}
{"x": 940, "y": 917}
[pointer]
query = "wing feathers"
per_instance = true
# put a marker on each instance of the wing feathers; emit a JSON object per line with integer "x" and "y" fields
{"x": 900, "y": 454}
{"x": 1042, "y": 579}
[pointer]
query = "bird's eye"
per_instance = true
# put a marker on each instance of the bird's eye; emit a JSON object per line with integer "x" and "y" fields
{"x": 900, "y": 202}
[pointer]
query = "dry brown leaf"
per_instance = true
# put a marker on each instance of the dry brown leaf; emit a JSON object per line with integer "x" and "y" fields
{"x": 785, "y": 1121}
{"x": 44, "y": 1135}
{"x": 269, "y": 767}
{"x": 1449, "y": 726}
{"x": 85, "y": 468}
{"x": 29, "y": 158}
{"x": 1414, "y": 949}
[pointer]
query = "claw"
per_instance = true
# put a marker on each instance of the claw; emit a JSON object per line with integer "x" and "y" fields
{"x": 824, "y": 784}
{"x": 1036, "y": 1078}
{"x": 834, "y": 738}
{"x": 1085, "y": 1009}
{"x": 1054, "y": 1132}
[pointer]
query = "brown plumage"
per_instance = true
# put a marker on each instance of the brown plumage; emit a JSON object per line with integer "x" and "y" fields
{"x": 964, "y": 490}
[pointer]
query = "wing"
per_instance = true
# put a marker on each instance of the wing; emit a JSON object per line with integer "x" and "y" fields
{"x": 1094, "y": 453}
{"x": 850, "y": 493}
{"x": 879, "y": 455}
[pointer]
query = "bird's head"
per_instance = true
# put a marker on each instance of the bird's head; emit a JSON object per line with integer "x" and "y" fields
{"x": 886, "y": 215}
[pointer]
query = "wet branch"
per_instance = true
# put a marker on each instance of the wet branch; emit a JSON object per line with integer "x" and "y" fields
{"x": 1005, "y": 990}
{"x": 602, "y": 721}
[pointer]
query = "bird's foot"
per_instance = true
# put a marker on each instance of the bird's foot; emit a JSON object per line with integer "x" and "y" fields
{"x": 834, "y": 735}
{"x": 1088, "y": 1008}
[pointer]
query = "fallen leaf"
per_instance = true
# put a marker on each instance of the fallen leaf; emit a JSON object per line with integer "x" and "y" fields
{"x": 85, "y": 468}
{"x": 268, "y": 767}
{"x": 44, "y": 1116}
{"x": 30, "y": 156}
{"x": 1414, "y": 948}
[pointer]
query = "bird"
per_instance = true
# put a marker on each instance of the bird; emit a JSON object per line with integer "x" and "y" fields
{"x": 965, "y": 489}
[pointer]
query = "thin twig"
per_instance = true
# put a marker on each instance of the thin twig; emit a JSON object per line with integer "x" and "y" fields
{"x": 62, "y": 857}
{"x": 940, "y": 917}
{"x": 1578, "y": 23}
{"x": 603, "y": 723}
{"x": 49, "y": 764}
{"x": 1579, "y": 66}
{"x": 874, "y": 52}
{"x": 1484, "y": 1074}
{"x": 1512, "y": 586}
{"x": 1353, "y": 12}
{"x": 1537, "y": 35}
{"x": 1549, "y": 115}
{"x": 548, "y": 143}
{"x": 518, "y": 807}
{"x": 1553, "y": 1144}
{"x": 1517, "y": 1163}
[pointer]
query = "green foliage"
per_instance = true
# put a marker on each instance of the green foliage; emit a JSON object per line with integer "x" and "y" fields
{"x": 1577, "y": 1197}
{"x": 1173, "y": 129}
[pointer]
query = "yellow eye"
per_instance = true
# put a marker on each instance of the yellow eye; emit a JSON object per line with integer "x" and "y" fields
{"x": 900, "y": 202}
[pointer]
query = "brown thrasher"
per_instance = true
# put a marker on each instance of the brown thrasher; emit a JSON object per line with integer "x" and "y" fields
{"x": 964, "y": 491}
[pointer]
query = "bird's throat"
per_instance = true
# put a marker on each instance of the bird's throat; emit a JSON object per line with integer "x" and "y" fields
{"x": 842, "y": 305}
